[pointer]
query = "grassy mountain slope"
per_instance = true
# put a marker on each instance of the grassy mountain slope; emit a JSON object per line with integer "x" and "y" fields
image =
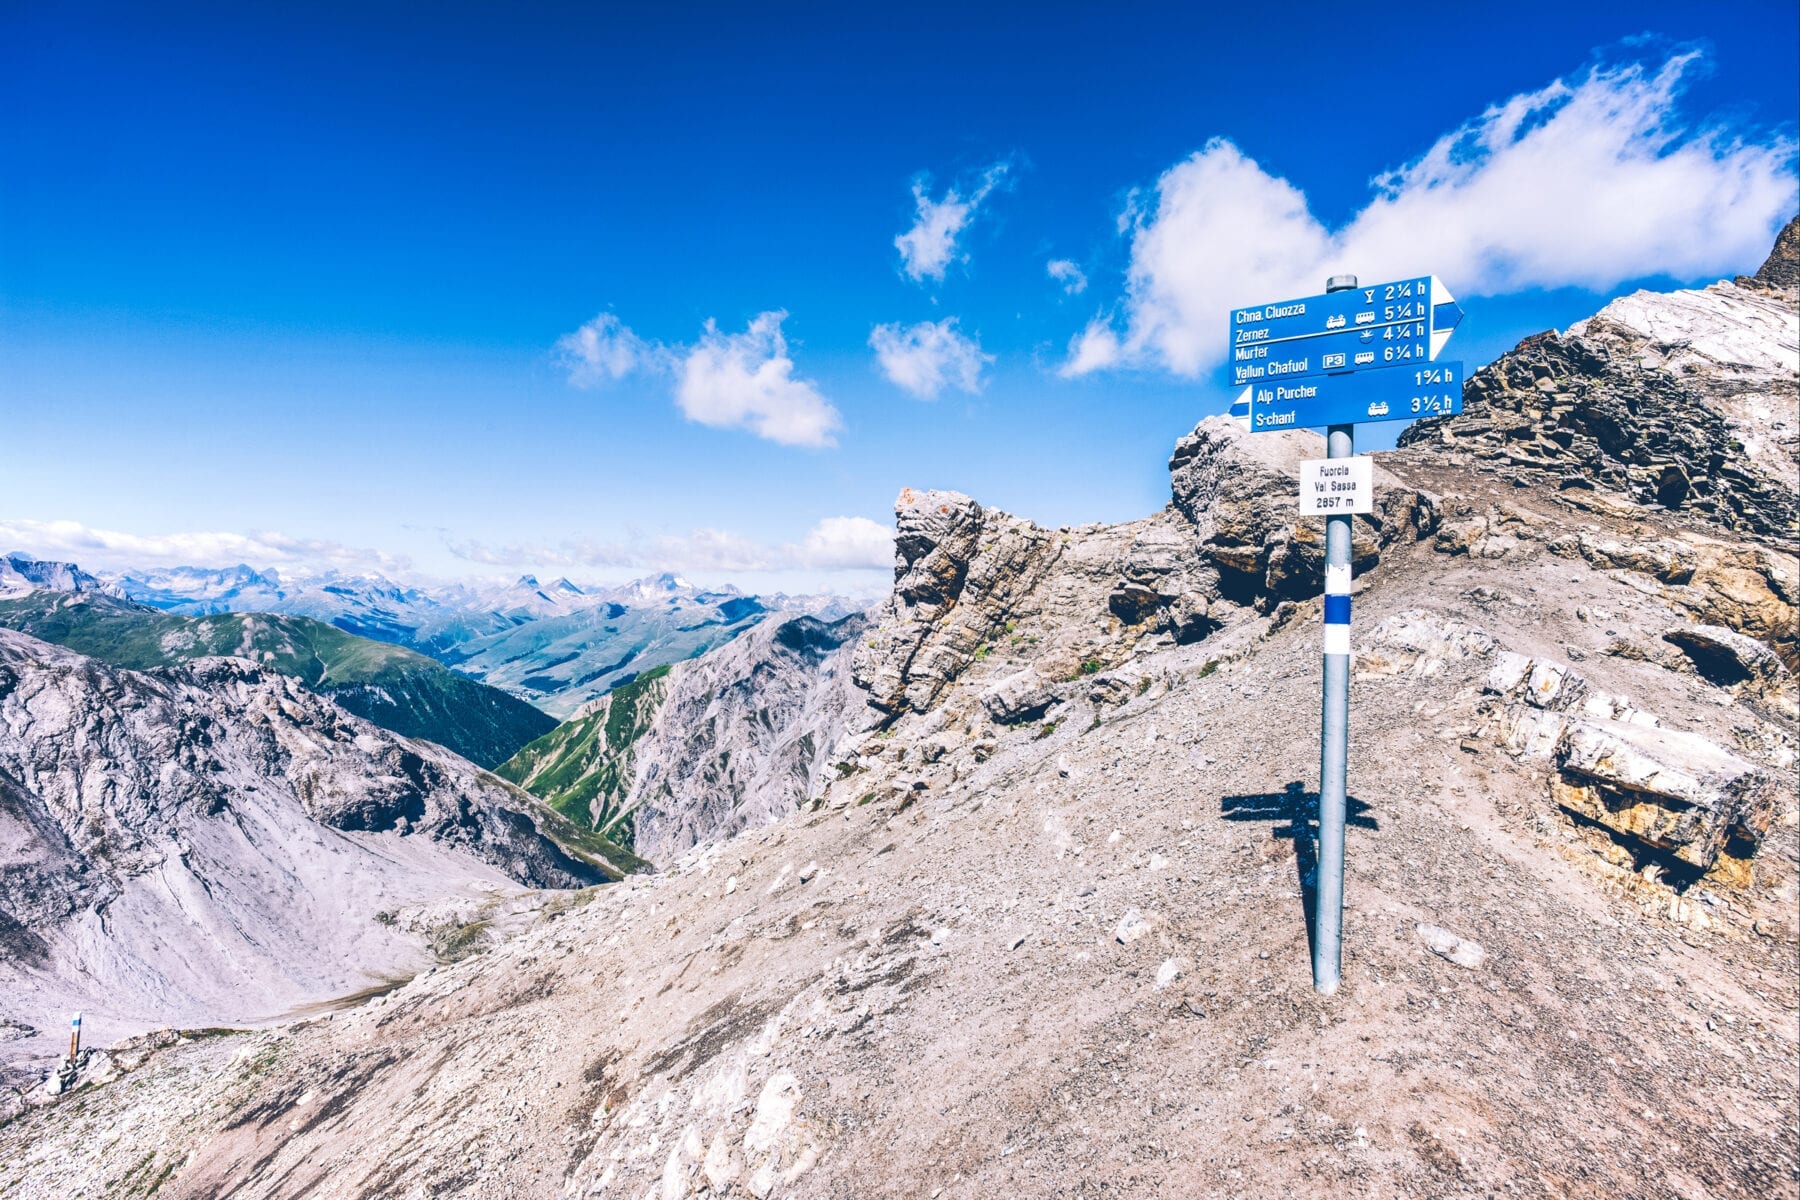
{"x": 582, "y": 768}
{"x": 728, "y": 741}
{"x": 392, "y": 687}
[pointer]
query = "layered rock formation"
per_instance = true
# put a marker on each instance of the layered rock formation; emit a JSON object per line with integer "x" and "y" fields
{"x": 1676, "y": 799}
{"x": 1689, "y": 400}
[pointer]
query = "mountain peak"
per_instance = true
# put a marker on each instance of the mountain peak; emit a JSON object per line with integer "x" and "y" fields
{"x": 1780, "y": 272}
{"x": 21, "y": 572}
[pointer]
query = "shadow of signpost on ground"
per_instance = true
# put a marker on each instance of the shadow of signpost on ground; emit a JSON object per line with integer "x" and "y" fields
{"x": 1299, "y": 809}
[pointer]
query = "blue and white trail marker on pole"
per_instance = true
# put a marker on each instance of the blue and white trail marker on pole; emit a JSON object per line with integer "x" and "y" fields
{"x": 1353, "y": 354}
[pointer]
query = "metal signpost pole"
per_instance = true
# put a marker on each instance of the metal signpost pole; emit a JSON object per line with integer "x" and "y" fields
{"x": 1353, "y": 354}
{"x": 1334, "y": 725}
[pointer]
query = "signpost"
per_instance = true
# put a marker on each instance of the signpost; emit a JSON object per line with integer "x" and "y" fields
{"x": 1352, "y": 354}
{"x": 1429, "y": 389}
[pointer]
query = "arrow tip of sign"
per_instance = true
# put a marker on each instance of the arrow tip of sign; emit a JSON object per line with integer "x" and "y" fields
{"x": 1443, "y": 302}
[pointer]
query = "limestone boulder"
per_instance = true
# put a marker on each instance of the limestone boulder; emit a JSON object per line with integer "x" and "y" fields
{"x": 1670, "y": 790}
{"x": 1019, "y": 697}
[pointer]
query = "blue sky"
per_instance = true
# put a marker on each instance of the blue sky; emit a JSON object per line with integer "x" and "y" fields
{"x": 307, "y": 288}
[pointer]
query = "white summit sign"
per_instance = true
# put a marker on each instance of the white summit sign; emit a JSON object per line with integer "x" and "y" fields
{"x": 1331, "y": 486}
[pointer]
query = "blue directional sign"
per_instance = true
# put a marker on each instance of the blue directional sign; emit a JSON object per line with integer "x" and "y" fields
{"x": 1365, "y": 349}
{"x": 1389, "y": 394}
{"x": 1359, "y": 329}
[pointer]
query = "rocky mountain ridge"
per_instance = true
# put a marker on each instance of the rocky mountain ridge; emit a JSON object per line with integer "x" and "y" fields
{"x": 708, "y": 747}
{"x": 214, "y": 843}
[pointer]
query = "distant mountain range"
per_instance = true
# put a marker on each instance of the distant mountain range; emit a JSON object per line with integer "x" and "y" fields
{"x": 562, "y": 661}
{"x": 387, "y": 685}
{"x": 556, "y": 645}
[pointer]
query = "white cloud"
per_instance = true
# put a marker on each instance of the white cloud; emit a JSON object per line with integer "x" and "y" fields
{"x": 927, "y": 357}
{"x": 833, "y": 544}
{"x": 746, "y": 381}
{"x": 734, "y": 381}
{"x": 1065, "y": 272}
{"x": 605, "y": 350}
{"x": 847, "y": 543}
{"x": 111, "y": 550}
{"x": 1093, "y": 349}
{"x": 1588, "y": 182}
{"x": 929, "y": 247}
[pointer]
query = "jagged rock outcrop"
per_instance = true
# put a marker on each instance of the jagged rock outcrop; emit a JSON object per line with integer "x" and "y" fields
{"x": 1781, "y": 272}
{"x": 946, "y": 545}
{"x": 706, "y": 748}
{"x": 972, "y": 581}
{"x": 1241, "y": 491}
{"x": 1686, "y": 399}
{"x": 214, "y": 843}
